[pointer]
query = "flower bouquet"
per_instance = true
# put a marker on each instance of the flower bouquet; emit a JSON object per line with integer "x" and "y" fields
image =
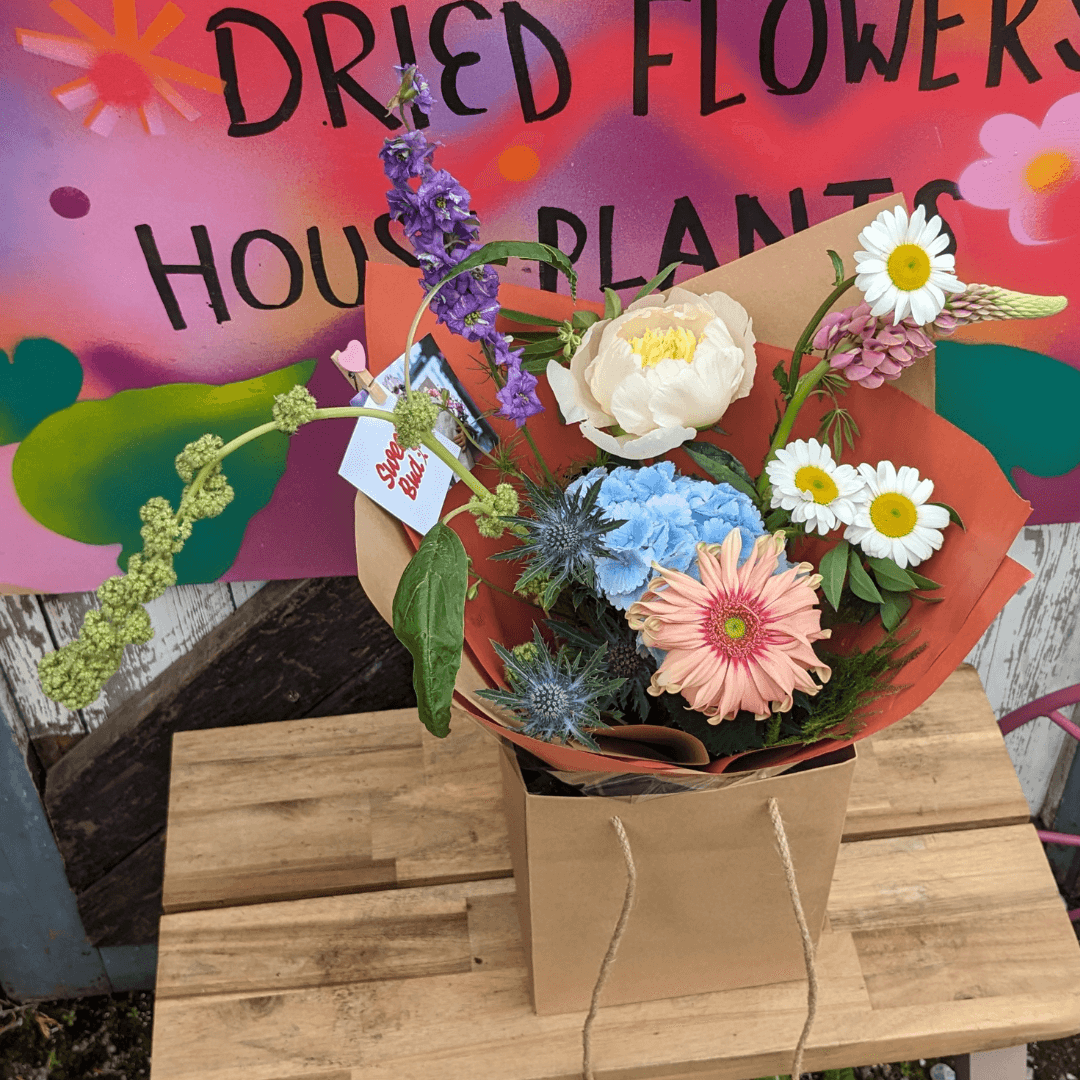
{"x": 638, "y": 601}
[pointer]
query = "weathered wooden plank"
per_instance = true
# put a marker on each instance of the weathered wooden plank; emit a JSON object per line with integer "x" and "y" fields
{"x": 123, "y": 907}
{"x": 244, "y": 590}
{"x": 295, "y": 989}
{"x": 181, "y": 617}
{"x": 351, "y": 792}
{"x": 24, "y": 638}
{"x": 1032, "y": 648}
{"x": 279, "y": 656}
{"x": 943, "y": 766}
{"x": 12, "y": 717}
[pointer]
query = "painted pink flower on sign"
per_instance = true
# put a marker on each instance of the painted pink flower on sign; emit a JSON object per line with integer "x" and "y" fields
{"x": 1032, "y": 172}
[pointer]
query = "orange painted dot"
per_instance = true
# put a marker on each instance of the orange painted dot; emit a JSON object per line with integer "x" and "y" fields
{"x": 1048, "y": 170}
{"x": 519, "y": 163}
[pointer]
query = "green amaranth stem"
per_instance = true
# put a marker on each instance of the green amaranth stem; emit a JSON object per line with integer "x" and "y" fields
{"x": 428, "y": 439}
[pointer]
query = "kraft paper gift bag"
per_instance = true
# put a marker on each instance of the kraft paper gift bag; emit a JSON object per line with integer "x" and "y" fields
{"x": 712, "y": 909}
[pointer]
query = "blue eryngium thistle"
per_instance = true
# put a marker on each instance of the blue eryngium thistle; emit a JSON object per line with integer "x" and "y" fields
{"x": 557, "y": 695}
{"x": 562, "y": 538}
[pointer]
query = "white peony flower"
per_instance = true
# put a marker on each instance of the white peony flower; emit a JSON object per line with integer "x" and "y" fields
{"x": 893, "y": 521}
{"x": 902, "y": 266}
{"x": 660, "y": 371}
{"x": 806, "y": 481}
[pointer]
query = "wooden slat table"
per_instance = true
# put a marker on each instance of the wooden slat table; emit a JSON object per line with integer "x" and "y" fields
{"x": 339, "y": 905}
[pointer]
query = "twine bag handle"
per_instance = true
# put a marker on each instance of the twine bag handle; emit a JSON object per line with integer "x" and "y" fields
{"x": 628, "y": 903}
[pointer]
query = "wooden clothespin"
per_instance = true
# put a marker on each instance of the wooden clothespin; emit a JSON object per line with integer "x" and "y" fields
{"x": 352, "y": 363}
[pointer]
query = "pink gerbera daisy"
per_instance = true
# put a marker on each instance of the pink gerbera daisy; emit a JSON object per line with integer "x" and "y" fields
{"x": 738, "y": 639}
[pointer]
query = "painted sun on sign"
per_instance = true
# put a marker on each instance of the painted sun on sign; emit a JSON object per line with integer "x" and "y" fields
{"x": 122, "y": 71}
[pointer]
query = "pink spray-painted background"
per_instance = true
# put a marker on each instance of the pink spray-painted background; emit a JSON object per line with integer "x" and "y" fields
{"x": 83, "y": 280}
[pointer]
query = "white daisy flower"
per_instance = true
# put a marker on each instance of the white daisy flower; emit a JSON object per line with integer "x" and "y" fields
{"x": 902, "y": 266}
{"x": 806, "y": 481}
{"x": 893, "y": 521}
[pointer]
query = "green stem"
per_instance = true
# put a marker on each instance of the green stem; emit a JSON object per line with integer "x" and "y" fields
{"x": 497, "y": 588}
{"x": 798, "y": 399}
{"x": 446, "y": 518}
{"x": 428, "y": 297}
{"x": 536, "y": 453}
{"x": 429, "y": 440}
{"x": 804, "y": 341}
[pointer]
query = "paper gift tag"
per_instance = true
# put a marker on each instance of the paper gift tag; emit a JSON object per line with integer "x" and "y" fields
{"x": 410, "y": 484}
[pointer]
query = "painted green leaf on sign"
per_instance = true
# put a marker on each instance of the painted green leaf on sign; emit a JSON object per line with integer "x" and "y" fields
{"x": 84, "y": 471}
{"x": 41, "y": 378}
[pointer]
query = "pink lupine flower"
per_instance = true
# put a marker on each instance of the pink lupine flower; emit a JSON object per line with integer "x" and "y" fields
{"x": 870, "y": 350}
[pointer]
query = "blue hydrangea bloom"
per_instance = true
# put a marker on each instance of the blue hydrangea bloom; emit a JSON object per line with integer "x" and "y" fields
{"x": 666, "y": 517}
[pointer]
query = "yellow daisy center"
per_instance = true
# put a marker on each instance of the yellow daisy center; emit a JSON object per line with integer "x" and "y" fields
{"x": 893, "y": 514}
{"x": 818, "y": 483}
{"x": 735, "y": 627}
{"x": 1048, "y": 170}
{"x": 909, "y": 267}
{"x": 675, "y": 343}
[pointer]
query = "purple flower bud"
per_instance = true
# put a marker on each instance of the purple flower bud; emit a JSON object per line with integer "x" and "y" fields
{"x": 518, "y": 396}
{"x": 405, "y": 156}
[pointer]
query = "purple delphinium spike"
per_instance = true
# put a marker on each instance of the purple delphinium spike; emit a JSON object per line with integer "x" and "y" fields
{"x": 442, "y": 230}
{"x": 411, "y": 79}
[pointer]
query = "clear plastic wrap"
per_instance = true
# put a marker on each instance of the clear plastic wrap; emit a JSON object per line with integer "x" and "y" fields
{"x": 541, "y": 779}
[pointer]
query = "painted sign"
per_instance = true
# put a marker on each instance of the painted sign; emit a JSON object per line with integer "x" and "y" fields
{"x": 191, "y": 193}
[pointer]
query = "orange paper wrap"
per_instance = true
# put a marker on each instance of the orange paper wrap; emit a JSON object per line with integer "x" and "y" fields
{"x": 972, "y": 566}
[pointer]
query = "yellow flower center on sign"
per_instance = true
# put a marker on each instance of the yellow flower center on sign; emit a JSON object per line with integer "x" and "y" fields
{"x": 818, "y": 483}
{"x": 1048, "y": 170}
{"x": 909, "y": 267}
{"x": 675, "y": 343}
{"x": 893, "y": 514}
{"x": 735, "y": 627}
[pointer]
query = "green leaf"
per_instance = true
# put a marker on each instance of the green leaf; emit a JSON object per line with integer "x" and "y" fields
{"x": 838, "y": 267}
{"x": 896, "y": 605}
{"x": 833, "y": 571}
{"x": 524, "y": 317}
{"x": 928, "y": 599}
{"x": 954, "y": 517}
{"x": 650, "y": 285}
{"x": 582, "y": 320}
{"x": 922, "y": 582}
{"x": 780, "y": 375}
{"x": 777, "y": 520}
{"x": 547, "y": 347}
{"x": 521, "y": 336}
{"x": 429, "y": 620}
{"x": 501, "y": 250}
{"x": 723, "y": 467}
{"x": 612, "y": 304}
{"x": 890, "y": 576}
{"x": 861, "y": 585}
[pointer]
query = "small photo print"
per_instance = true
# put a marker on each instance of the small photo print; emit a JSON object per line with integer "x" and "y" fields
{"x": 430, "y": 372}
